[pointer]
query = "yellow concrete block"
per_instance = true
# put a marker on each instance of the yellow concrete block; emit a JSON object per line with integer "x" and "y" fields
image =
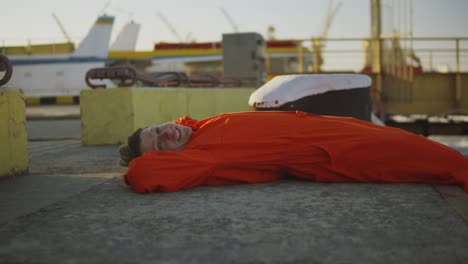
{"x": 13, "y": 134}
{"x": 207, "y": 102}
{"x": 233, "y": 100}
{"x": 155, "y": 106}
{"x": 66, "y": 100}
{"x": 109, "y": 116}
{"x": 33, "y": 100}
{"x": 201, "y": 103}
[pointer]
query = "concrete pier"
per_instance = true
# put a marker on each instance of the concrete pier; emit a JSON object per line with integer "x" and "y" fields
{"x": 13, "y": 136}
{"x": 73, "y": 207}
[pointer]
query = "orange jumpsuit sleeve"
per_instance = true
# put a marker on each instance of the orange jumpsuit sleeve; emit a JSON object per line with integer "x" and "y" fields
{"x": 170, "y": 171}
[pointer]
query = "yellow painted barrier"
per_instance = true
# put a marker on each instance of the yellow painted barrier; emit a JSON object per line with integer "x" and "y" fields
{"x": 52, "y": 100}
{"x": 13, "y": 134}
{"x": 64, "y": 100}
{"x": 109, "y": 116}
{"x": 39, "y": 49}
{"x": 33, "y": 100}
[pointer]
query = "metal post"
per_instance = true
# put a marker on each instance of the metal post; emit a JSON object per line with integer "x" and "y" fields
{"x": 458, "y": 88}
{"x": 411, "y": 33}
{"x": 458, "y": 54}
{"x": 317, "y": 55}
{"x": 375, "y": 37}
{"x": 376, "y": 45}
{"x": 430, "y": 61}
{"x": 267, "y": 66}
{"x": 301, "y": 58}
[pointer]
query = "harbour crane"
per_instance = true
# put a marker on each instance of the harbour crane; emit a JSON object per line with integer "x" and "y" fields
{"x": 62, "y": 28}
{"x": 103, "y": 10}
{"x": 171, "y": 28}
{"x": 331, "y": 14}
{"x": 229, "y": 19}
{"x": 317, "y": 44}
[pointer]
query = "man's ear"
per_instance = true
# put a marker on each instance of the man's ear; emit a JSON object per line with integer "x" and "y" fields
{"x": 123, "y": 163}
{"x": 126, "y": 155}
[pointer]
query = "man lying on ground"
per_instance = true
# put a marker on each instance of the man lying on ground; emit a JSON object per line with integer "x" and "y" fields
{"x": 255, "y": 147}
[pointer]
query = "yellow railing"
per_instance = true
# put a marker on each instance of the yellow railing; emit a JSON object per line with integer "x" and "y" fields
{"x": 38, "y": 49}
{"x": 410, "y": 75}
{"x": 436, "y": 54}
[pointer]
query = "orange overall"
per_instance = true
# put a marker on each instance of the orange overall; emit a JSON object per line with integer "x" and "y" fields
{"x": 254, "y": 147}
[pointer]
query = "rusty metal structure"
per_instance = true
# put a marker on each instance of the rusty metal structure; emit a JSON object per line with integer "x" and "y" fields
{"x": 7, "y": 68}
{"x": 127, "y": 76}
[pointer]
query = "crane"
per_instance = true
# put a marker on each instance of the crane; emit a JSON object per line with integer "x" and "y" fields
{"x": 229, "y": 19}
{"x": 106, "y": 6}
{"x": 331, "y": 13}
{"x": 62, "y": 28}
{"x": 171, "y": 28}
{"x": 317, "y": 44}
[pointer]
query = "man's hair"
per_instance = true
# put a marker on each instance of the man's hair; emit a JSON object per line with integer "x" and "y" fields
{"x": 132, "y": 149}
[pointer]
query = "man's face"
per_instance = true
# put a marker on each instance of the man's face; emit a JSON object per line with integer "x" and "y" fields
{"x": 165, "y": 137}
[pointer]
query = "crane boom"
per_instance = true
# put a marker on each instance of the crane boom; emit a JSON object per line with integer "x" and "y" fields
{"x": 332, "y": 11}
{"x": 318, "y": 45}
{"x": 171, "y": 28}
{"x": 62, "y": 28}
{"x": 229, "y": 19}
{"x": 106, "y": 6}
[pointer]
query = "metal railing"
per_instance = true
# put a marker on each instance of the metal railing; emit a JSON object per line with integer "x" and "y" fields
{"x": 403, "y": 69}
{"x": 435, "y": 54}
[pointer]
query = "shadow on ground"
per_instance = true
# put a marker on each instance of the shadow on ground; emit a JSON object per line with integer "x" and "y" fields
{"x": 69, "y": 156}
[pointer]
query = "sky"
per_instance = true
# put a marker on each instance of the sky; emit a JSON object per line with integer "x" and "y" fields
{"x": 203, "y": 20}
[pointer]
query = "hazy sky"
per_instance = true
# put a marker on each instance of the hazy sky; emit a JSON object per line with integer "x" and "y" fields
{"x": 202, "y": 20}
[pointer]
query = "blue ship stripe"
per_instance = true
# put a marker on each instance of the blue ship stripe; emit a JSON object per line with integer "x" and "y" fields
{"x": 18, "y": 62}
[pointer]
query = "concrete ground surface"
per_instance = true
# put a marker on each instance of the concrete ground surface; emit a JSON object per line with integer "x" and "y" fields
{"x": 74, "y": 208}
